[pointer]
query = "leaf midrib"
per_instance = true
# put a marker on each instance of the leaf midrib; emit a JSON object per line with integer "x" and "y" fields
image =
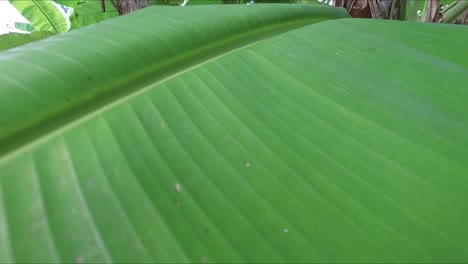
{"x": 45, "y": 14}
{"x": 53, "y": 124}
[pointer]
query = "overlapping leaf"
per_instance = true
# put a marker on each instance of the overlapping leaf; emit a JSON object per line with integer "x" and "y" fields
{"x": 43, "y": 15}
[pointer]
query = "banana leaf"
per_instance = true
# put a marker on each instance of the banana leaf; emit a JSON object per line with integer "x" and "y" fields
{"x": 43, "y": 15}
{"x": 11, "y": 40}
{"x": 240, "y": 133}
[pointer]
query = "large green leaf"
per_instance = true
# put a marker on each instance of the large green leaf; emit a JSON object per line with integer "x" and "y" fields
{"x": 206, "y": 136}
{"x": 42, "y": 14}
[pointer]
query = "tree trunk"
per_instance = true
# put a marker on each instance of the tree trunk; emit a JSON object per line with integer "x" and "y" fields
{"x": 127, "y": 6}
{"x": 432, "y": 11}
{"x": 463, "y": 19}
{"x": 371, "y": 8}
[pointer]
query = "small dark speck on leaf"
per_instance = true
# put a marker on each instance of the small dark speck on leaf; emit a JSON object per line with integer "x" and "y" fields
{"x": 67, "y": 99}
{"x": 371, "y": 49}
{"x": 206, "y": 231}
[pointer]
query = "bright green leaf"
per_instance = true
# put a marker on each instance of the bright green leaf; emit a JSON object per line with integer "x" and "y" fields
{"x": 70, "y": 3}
{"x": 42, "y": 14}
{"x": 24, "y": 26}
{"x": 214, "y": 138}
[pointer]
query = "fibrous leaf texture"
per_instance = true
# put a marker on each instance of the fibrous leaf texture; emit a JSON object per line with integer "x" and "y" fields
{"x": 260, "y": 133}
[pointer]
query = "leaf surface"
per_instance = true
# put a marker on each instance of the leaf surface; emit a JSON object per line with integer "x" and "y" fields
{"x": 216, "y": 139}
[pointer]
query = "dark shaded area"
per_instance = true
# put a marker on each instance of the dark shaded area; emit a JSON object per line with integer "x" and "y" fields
{"x": 127, "y": 6}
{"x": 386, "y": 9}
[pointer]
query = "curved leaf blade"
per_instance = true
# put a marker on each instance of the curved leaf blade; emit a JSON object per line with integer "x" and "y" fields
{"x": 264, "y": 153}
{"x": 173, "y": 51}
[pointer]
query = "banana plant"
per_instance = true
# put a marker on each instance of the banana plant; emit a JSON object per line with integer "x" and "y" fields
{"x": 45, "y": 15}
{"x": 441, "y": 11}
{"x": 453, "y": 11}
{"x": 236, "y": 133}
